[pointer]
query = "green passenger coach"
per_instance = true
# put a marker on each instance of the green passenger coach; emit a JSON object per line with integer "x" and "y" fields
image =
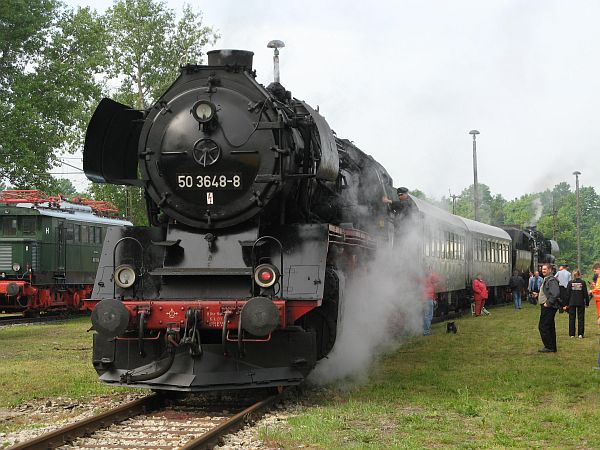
{"x": 49, "y": 250}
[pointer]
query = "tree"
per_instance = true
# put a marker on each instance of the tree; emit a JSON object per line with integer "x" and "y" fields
{"x": 148, "y": 47}
{"x": 47, "y": 84}
{"x": 490, "y": 208}
{"x": 61, "y": 186}
{"x": 524, "y": 211}
{"x": 419, "y": 194}
{"x": 116, "y": 195}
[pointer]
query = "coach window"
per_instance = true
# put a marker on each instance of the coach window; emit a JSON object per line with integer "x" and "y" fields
{"x": 97, "y": 235}
{"x": 455, "y": 246}
{"x": 85, "y": 236}
{"x": 77, "y": 237}
{"x": 29, "y": 226}
{"x": 9, "y": 226}
{"x": 70, "y": 233}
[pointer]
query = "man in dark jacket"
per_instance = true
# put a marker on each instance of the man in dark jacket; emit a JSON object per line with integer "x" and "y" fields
{"x": 578, "y": 300}
{"x": 516, "y": 284}
{"x": 549, "y": 304}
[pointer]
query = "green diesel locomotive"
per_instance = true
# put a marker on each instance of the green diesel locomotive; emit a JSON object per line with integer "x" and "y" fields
{"x": 49, "y": 250}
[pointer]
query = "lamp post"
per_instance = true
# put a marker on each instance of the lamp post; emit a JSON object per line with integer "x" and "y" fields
{"x": 577, "y": 173}
{"x": 475, "y": 188}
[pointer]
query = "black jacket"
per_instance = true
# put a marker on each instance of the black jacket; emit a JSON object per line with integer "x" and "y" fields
{"x": 551, "y": 291}
{"x": 516, "y": 282}
{"x": 577, "y": 293}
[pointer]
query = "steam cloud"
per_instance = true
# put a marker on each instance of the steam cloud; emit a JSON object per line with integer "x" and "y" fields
{"x": 536, "y": 205}
{"x": 380, "y": 307}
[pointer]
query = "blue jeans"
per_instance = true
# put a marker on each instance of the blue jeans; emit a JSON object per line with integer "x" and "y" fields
{"x": 428, "y": 316}
{"x": 516, "y": 294}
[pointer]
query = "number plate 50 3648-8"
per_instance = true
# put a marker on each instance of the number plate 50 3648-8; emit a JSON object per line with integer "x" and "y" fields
{"x": 215, "y": 182}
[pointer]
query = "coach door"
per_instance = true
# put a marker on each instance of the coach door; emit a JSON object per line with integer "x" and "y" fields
{"x": 61, "y": 253}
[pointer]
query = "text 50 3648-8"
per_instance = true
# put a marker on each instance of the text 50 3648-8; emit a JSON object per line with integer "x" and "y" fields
{"x": 212, "y": 182}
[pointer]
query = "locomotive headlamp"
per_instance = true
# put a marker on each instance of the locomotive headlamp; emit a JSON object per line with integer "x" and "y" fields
{"x": 16, "y": 267}
{"x": 124, "y": 276}
{"x": 204, "y": 111}
{"x": 266, "y": 275}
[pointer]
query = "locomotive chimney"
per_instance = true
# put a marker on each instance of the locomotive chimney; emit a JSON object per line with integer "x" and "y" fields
{"x": 276, "y": 45}
{"x": 241, "y": 58}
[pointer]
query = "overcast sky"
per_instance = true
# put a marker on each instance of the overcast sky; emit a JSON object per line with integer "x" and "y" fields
{"x": 407, "y": 80}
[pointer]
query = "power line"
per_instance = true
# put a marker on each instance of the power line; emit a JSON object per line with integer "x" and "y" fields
{"x": 65, "y": 173}
{"x": 70, "y": 165}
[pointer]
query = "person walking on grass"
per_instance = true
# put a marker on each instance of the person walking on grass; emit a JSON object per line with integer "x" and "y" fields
{"x": 516, "y": 284}
{"x": 578, "y": 300}
{"x": 548, "y": 299}
{"x": 595, "y": 288}
{"x": 480, "y": 295}
{"x": 429, "y": 299}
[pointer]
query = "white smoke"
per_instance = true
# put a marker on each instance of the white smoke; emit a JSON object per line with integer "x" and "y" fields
{"x": 380, "y": 307}
{"x": 536, "y": 205}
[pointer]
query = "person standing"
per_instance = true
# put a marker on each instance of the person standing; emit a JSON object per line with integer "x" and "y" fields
{"x": 516, "y": 284}
{"x": 548, "y": 301}
{"x": 578, "y": 300}
{"x": 535, "y": 282}
{"x": 480, "y": 294}
{"x": 563, "y": 276}
{"x": 595, "y": 289}
{"x": 430, "y": 302}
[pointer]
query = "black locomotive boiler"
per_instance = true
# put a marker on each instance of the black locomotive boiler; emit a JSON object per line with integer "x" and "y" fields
{"x": 258, "y": 215}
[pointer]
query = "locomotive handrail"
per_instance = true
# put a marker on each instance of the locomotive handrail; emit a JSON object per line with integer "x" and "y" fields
{"x": 115, "y": 263}
{"x": 253, "y": 257}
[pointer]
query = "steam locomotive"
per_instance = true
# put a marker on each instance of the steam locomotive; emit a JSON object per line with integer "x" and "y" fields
{"x": 259, "y": 214}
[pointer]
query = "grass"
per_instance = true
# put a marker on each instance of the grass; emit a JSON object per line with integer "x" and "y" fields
{"x": 47, "y": 361}
{"x": 485, "y": 387}
{"x": 43, "y": 362}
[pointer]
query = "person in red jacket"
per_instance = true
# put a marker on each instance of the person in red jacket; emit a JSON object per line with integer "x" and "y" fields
{"x": 480, "y": 294}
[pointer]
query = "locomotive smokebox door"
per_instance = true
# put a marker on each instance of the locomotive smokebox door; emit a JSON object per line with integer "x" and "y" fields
{"x": 110, "y": 317}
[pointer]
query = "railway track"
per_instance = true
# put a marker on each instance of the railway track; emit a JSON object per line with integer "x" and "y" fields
{"x": 153, "y": 422}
